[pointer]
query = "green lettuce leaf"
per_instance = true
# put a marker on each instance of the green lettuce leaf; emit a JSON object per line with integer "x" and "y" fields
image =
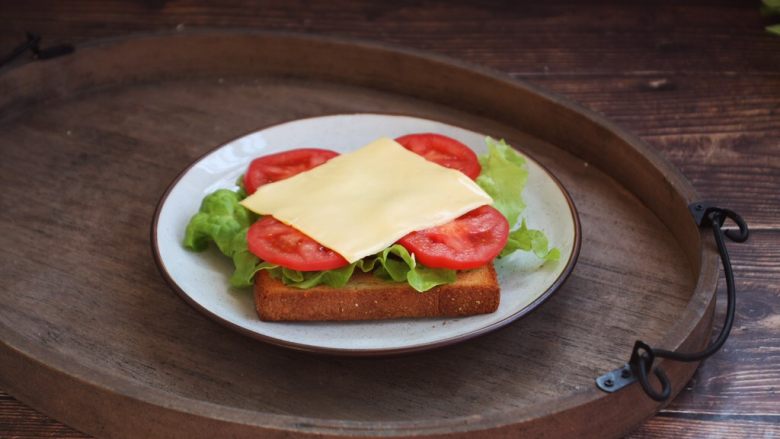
{"x": 306, "y": 279}
{"x": 423, "y": 278}
{"x": 503, "y": 177}
{"x": 770, "y": 7}
{"x": 241, "y": 189}
{"x": 224, "y": 222}
{"x": 403, "y": 267}
{"x": 394, "y": 264}
{"x": 246, "y": 264}
{"x": 219, "y": 219}
{"x": 530, "y": 240}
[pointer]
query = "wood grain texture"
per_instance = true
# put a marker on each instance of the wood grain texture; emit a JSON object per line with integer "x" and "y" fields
{"x": 744, "y": 378}
{"x": 18, "y": 421}
{"x": 113, "y": 131}
{"x": 724, "y": 138}
{"x": 698, "y": 81}
{"x": 663, "y": 427}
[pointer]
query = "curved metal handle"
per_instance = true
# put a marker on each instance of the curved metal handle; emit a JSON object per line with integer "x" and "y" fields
{"x": 643, "y": 355}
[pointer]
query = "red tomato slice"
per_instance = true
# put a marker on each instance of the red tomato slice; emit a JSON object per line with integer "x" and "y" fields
{"x": 443, "y": 150}
{"x": 275, "y": 167}
{"x": 277, "y": 243}
{"x": 469, "y": 241}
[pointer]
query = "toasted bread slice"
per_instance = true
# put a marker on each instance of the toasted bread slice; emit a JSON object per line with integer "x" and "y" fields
{"x": 367, "y": 297}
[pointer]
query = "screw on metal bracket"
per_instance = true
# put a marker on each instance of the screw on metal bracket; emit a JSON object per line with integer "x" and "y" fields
{"x": 615, "y": 380}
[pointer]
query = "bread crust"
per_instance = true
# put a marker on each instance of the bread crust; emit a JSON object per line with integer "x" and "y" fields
{"x": 367, "y": 297}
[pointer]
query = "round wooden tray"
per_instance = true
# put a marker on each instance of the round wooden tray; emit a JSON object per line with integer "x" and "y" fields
{"x": 91, "y": 334}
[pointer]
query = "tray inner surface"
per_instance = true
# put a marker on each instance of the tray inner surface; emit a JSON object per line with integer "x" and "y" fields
{"x": 81, "y": 177}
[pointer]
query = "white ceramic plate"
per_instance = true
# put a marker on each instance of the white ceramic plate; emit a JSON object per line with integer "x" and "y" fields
{"x": 202, "y": 278}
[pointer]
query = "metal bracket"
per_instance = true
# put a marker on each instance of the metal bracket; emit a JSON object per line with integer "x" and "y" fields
{"x": 699, "y": 210}
{"x": 615, "y": 380}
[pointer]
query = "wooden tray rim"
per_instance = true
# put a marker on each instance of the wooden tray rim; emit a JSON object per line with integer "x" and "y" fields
{"x": 697, "y": 315}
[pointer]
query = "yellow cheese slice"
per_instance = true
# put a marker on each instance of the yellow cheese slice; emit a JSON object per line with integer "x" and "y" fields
{"x": 360, "y": 203}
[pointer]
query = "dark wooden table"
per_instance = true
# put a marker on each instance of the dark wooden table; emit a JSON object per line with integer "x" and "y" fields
{"x": 700, "y": 81}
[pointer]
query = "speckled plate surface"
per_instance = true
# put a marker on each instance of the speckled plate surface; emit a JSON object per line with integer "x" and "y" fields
{"x": 202, "y": 278}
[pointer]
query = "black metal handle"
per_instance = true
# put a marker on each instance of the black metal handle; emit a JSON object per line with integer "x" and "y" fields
{"x": 643, "y": 355}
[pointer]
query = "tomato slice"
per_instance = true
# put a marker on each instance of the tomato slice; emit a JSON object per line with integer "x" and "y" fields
{"x": 275, "y": 242}
{"x": 275, "y": 167}
{"x": 469, "y": 241}
{"x": 443, "y": 150}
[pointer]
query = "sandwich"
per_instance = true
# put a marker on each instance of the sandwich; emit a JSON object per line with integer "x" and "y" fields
{"x": 397, "y": 229}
